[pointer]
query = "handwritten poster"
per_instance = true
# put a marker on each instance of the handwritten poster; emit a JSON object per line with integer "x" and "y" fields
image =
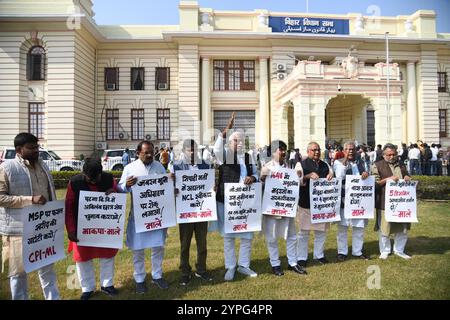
{"x": 325, "y": 199}
{"x": 400, "y": 201}
{"x": 359, "y": 197}
{"x": 154, "y": 203}
{"x": 196, "y": 199}
{"x": 43, "y": 234}
{"x": 101, "y": 219}
{"x": 242, "y": 207}
{"x": 281, "y": 193}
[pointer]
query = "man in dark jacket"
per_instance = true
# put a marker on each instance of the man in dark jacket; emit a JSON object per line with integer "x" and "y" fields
{"x": 313, "y": 169}
{"x": 235, "y": 166}
{"x": 192, "y": 162}
{"x": 383, "y": 170}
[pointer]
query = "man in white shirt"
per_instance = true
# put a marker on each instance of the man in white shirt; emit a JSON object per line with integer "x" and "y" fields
{"x": 155, "y": 239}
{"x": 414, "y": 160}
{"x": 276, "y": 227}
{"x": 434, "y": 159}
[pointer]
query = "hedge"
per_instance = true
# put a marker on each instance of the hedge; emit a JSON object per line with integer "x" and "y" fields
{"x": 436, "y": 188}
{"x": 431, "y": 187}
{"x": 61, "y": 178}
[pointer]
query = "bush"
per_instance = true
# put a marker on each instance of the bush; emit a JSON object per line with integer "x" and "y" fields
{"x": 432, "y": 187}
{"x": 61, "y": 178}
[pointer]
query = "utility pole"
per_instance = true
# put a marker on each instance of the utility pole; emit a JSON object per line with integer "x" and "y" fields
{"x": 388, "y": 91}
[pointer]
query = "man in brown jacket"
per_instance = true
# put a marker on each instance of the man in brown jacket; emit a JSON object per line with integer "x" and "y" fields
{"x": 383, "y": 170}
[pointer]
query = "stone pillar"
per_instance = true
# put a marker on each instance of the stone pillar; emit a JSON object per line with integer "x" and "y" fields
{"x": 412, "y": 102}
{"x": 302, "y": 125}
{"x": 206, "y": 101}
{"x": 381, "y": 121}
{"x": 364, "y": 123}
{"x": 264, "y": 112}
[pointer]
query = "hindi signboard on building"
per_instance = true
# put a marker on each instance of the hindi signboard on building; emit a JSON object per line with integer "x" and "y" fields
{"x": 309, "y": 25}
{"x": 154, "y": 203}
{"x": 281, "y": 192}
{"x": 43, "y": 234}
{"x": 101, "y": 219}
{"x": 359, "y": 197}
{"x": 325, "y": 199}
{"x": 242, "y": 212}
{"x": 400, "y": 201}
{"x": 196, "y": 199}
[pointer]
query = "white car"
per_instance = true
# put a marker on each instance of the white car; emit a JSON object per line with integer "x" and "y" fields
{"x": 51, "y": 159}
{"x": 112, "y": 159}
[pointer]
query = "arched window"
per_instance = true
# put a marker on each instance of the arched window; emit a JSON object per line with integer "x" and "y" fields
{"x": 36, "y": 63}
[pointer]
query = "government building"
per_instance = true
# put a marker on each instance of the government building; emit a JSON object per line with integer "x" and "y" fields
{"x": 82, "y": 87}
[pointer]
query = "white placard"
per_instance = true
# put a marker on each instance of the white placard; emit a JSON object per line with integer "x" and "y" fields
{"x": 101, "y": 219}
{"x": 281, "y": 193}
{"x": 242, "y": 207}
{"x": 325, "y": 199}
{"x": 43, "y": 234}
{"x": 196, "y": 199}
{"x": 154, "y": 203}
{"x": 400, "y": 201}
{"x": 359, "y": 197}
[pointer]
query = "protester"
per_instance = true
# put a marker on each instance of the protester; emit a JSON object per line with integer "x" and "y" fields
{"x": 91, "y": 179}
{"x": 389, "y": 169}
{"x": 276, "y": 227}
{"x": 155, "y": 239}
{"x": 24, "y": 181}
{"x": 313, "y": 168}
{"x": 343, "y": 167}
{"x": 187, "y": 230}
{"x": 234, "y": 166}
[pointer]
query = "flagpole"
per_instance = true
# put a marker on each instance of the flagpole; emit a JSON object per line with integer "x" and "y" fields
{"x": 388, "y": 107}
{"x": 307, "y": 6}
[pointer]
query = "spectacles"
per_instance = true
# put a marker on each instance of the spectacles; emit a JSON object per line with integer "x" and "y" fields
{"x": 315, "y": 150}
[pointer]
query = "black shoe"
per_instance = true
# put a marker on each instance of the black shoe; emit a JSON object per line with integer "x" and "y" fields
{"x": 161, "y": 283}
{"x": 301, "y": 263}
{"x": 141, "y": 287}
{"x": 185, "y": 279}
{"x": 277, "y": 271}
{"x": 341, "y": 257}
{"x": 204, "y": 276}
{"x": 110, "y": 291}
{"x": 362, "y": 257}
{"x": 86, "y": 295}
{"x": 298, "y": 269}
{"x": 322, "y": 260}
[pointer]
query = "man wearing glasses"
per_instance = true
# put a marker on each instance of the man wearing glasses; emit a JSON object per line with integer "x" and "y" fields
{"x": 349, "y": 165}
{"x": 313, "y": 168}
{"x": 383, "y": 170}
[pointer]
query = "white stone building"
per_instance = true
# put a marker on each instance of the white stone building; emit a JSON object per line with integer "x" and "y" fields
{"x": 299, "y": 77}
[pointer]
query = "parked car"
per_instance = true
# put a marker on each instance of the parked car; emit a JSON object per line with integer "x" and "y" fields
{"x": 51, "y": 159}
{"x": 112, "y": 159}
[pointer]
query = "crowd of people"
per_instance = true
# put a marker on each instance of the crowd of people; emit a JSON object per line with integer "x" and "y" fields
{"x": 26, "y": 181}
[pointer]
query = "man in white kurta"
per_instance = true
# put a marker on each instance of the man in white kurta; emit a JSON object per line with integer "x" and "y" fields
{"x": 276, "y": 227}
{"x": 143, "y": 166}
{"x": 342, "y": 167}
{"x": 233, "y": 161}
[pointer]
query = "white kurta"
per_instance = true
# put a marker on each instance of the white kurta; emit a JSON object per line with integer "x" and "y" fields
{"x": 340, "y": 173}
{"x": 276, "y": 227}
{"x": 149, "y": 239}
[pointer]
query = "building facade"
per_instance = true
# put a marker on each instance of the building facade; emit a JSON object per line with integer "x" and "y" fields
{"x": 83, "y": 87}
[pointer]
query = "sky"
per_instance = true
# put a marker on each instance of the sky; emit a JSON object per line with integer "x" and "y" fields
{"x": 166, "y": 11}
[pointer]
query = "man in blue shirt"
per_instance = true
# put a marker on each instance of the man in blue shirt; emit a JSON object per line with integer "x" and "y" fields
{"x": 125, "y": 157}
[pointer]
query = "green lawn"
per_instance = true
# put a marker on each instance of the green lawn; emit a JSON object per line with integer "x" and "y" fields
{"x": 425, "y": 276}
